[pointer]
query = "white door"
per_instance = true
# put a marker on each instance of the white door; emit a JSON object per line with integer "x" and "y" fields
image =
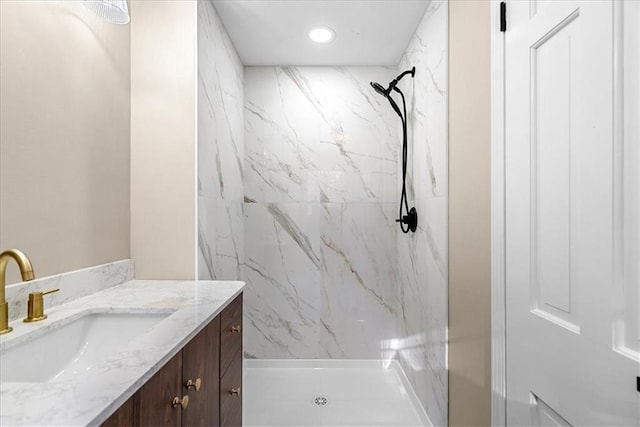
{"x": 572, "y": 160}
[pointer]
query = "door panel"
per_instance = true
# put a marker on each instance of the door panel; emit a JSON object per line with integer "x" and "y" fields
{"x": 553, "y": 68}
{"x": 544, "y": 415}
{"x": 627, "y": 161}
{"x": 567, "y": 288}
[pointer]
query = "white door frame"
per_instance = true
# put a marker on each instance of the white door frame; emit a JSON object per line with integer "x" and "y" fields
{"x": 498, "y": 258}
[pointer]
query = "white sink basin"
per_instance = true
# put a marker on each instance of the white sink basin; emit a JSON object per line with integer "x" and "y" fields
{"x": 74, "y": 348}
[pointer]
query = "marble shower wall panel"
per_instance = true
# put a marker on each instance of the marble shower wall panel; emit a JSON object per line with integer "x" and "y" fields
{"x": 320, "y": 181}
{"x": 359, "y": 285}
{"x": 422, "y": 257}
{"x": 220, "y": 239}
{"x": 318, "y": 134}
{"x": 282, "y": 272}
{"x": 220, "y": 111}
{"x": 220, "y": 150}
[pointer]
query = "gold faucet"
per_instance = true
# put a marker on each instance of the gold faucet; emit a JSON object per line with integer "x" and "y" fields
{"x": 26, "y": 271}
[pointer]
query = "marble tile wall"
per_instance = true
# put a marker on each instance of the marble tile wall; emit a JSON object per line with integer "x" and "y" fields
{"x": 422, "y": 257}
{"x": 320, "y": 196}
{"x": 220, "y": 150}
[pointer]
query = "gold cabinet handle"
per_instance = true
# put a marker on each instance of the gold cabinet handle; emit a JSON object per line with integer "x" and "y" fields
{"x": 235, "y": 391}
{"x": 35, "y": 306}
{"x": 235, "y": 329}
{"x": 194, "y": 384}
{"x": 184, "y": 402}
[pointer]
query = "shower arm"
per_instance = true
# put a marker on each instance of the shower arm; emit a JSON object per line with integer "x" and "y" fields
{"x": 394, "y": 82}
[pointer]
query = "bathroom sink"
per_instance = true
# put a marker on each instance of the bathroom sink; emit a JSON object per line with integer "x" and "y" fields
{"x": 75, "y": 348}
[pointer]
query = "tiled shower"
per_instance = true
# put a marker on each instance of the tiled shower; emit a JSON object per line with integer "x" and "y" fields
{"x": 298, "y": 189}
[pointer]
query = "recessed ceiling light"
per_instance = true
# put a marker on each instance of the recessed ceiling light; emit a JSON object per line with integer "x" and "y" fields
{"x": 322, "y": 34}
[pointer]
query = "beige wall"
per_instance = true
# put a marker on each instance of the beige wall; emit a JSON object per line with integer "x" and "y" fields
{"x": 64, "y": 136}
{"x": 163, "y": 139}
{"x": 469, "y": 214}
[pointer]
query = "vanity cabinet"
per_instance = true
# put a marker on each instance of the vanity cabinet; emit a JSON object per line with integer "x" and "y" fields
{"x": 231, "y": 364}
{"x": 153, "y": 398}
{"x": 201, "y": 361}
{"x": 199, "y": 386}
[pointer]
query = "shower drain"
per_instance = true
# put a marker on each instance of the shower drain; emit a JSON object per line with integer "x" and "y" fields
{"x": 320, "y": 400}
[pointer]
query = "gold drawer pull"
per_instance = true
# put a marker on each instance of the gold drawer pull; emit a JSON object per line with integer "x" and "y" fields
{"x": 184, "y": 402}
{"x": 235, "y": 329}
{"x": 194, "y": 384}
{"x": 235, "y": 391}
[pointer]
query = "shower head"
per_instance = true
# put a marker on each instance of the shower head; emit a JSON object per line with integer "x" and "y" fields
{"x": 392, "y": 86}
{"x": 379, "y": 88}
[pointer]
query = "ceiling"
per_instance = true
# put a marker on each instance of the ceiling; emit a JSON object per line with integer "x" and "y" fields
{"x": 275, "y": 32}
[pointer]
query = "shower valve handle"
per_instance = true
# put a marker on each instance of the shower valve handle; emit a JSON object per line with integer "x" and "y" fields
{"x": 411, "y": 219}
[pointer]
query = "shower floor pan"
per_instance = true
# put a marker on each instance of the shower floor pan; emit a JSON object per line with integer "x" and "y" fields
{"x": 329, "y": 393}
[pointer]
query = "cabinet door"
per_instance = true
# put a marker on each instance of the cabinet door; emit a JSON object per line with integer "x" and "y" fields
{"x": 156, "y": 396}
{"x": 201, "y": 360}
{"x": 123, "y": 417}
{"x": 231, "y": 394}
{"x": 230, "y": 333}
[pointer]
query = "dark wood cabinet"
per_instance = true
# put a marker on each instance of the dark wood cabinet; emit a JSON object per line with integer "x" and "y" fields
{"x": 231, "y": 396}
{"x": 199, "y": 386}
{"x": 231, "y": 364}
{"x": 124, "y": 416}
{"x": 201, "y": 378}
{"x": 230, "y": 333}
{"x": 155, "y": 398}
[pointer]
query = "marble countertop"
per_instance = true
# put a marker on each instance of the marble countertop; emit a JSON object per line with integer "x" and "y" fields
{"x": 192, "y": 305}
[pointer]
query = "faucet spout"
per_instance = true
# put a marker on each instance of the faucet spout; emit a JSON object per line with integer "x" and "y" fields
{"x": 26, "y": 271}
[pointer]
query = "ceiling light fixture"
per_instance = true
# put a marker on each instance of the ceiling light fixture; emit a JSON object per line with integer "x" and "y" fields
{"x": 114, "y": 11}
{"x": 322, "y": 34}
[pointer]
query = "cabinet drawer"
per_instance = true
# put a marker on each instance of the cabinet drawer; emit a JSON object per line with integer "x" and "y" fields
{"x": 231, "y": 395}
{"x": 230, "y": 333}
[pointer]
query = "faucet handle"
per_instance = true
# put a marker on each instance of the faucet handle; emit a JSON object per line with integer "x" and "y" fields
{"x": 35, "y": 306}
